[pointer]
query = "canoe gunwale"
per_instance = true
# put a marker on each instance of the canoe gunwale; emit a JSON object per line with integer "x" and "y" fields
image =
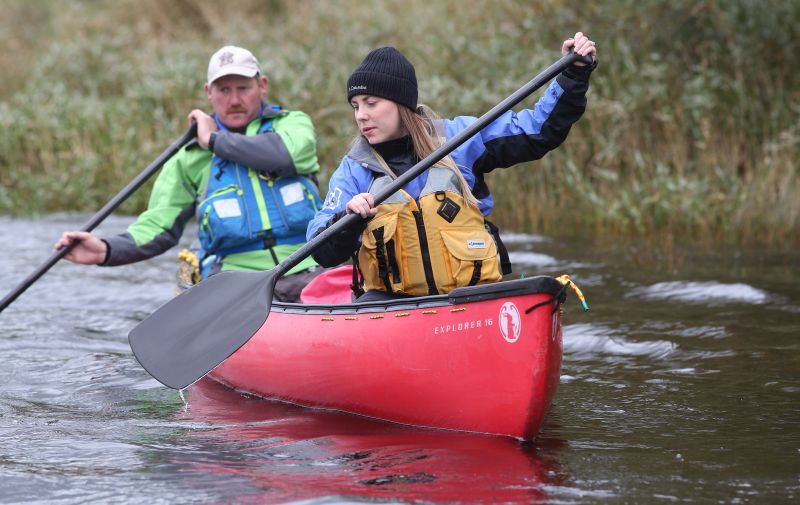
{"x": 539, "y": 284}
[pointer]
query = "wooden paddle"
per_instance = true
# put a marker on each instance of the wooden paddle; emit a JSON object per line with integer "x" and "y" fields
{"x": 196, "y": 331}
{"x": 103, "y": 213}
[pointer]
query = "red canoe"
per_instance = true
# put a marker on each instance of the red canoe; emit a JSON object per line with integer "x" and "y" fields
{"x": 483, "y": 359}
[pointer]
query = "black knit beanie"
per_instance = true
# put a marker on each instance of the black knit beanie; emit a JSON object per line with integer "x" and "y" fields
{"x": 386, "y": 73}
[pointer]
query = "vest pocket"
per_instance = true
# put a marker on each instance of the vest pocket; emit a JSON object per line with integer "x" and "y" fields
{"x": 471, "y": 257}
{"x": 379, "y": 255}
{"x": 297, "y": 203}
{"x": 223, "y": 220}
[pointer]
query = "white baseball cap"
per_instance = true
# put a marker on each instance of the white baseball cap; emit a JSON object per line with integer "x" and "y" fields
{"x": 232, "y": 60}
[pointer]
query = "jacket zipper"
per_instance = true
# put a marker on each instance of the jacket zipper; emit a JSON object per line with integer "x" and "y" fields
{"x": 244, "y": 204}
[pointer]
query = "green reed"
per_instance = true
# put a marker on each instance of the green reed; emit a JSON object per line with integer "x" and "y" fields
{"x": 692, "y": 129}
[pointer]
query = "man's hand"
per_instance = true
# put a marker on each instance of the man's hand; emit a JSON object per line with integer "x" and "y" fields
{"x": 88, "y": 249}
{"x": 205, "y": 126}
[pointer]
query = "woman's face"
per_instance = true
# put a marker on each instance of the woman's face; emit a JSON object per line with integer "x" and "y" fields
{"x": 378, "y": 119}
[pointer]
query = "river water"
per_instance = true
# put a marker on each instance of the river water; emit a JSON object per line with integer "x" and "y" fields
{"x": 682, "y": 384}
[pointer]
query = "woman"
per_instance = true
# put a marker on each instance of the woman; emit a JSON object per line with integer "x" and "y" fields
{"x": 432, "y": 236}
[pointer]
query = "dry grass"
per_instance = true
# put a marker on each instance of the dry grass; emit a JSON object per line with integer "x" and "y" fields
{"x": 692, "y": 130}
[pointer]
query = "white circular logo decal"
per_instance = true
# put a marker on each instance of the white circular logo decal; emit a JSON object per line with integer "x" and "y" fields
{"x": 510, "y": 322}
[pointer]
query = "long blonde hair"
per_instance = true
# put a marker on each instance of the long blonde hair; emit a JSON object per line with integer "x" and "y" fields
{"x": 421, "y": 127}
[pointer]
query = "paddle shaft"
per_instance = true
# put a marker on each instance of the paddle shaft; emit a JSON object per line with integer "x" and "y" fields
{"x": 442, "y": 151}
{"x": 103, "y": 213}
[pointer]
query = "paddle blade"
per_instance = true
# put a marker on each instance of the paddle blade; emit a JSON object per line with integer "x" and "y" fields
{"x": 197, "y": 330}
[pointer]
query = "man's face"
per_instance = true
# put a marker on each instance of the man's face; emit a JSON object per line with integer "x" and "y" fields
{"x": 236, "y": 99}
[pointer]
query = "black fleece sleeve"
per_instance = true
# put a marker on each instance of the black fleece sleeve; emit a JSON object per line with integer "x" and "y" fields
{"x": 580, "y": 73}
{"x": 507, "y": 151}
{"x": 341, "y": 246}
{"x": 264, "y": 152}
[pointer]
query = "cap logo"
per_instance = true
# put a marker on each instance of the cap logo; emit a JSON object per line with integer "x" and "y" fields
{"x": 354, "y": 88}
{"x": 225, "y": 58}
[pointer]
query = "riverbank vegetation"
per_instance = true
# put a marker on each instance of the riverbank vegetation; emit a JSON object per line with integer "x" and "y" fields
{"x": 692, "y": 130}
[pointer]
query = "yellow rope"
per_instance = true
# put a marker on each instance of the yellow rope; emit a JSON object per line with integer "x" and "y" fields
{"x": 188, "y": 269}
{"x": 566, "y": 281}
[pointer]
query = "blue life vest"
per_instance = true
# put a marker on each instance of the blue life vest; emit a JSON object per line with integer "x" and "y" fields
{"x": 245, "y": 210}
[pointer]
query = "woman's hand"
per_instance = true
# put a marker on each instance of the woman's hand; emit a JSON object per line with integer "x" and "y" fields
{"x": 581, "y": 44}
{"x": 362, "y": 204}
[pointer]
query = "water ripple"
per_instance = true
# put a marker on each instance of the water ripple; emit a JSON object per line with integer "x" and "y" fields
{"x": 528, "y": 258}
{"x": 701, "y": 292}
{"x": 524, "y": 238}
{"x": 596, "y": 339}
{"x": 658, "y": 401}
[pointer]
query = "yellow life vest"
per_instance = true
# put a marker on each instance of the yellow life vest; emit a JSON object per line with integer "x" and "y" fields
{"x": 430, "y": 248}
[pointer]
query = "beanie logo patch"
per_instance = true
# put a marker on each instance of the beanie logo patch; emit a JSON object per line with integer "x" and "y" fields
{"x": 385, "y": 73}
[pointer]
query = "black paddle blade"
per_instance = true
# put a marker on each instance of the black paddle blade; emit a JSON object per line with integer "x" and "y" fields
{"x": 197, "y": 330}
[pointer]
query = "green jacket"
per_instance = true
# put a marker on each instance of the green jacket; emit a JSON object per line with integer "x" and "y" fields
{"x": 290, "y": 149}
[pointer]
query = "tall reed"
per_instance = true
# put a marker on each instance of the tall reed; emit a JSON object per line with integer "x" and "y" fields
{"x": 692, "y": 130}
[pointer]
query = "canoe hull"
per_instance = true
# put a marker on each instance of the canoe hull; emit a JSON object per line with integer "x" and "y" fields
{"x": 472, "y": 363}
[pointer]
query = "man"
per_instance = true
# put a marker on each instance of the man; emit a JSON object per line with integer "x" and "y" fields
{"x": 248, "y": 178}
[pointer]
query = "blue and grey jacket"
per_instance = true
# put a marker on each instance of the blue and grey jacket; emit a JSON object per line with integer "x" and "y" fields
{"x": 515, "y": 137}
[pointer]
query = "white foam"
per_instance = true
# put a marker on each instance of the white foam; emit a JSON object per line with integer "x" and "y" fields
{"x": 700, "y": 292}
{"x": 531, "y": 259}
{"x": 595, "y": 339}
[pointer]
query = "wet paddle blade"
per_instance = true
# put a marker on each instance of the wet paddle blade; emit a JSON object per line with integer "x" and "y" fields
{"x": 197, "y": 330}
